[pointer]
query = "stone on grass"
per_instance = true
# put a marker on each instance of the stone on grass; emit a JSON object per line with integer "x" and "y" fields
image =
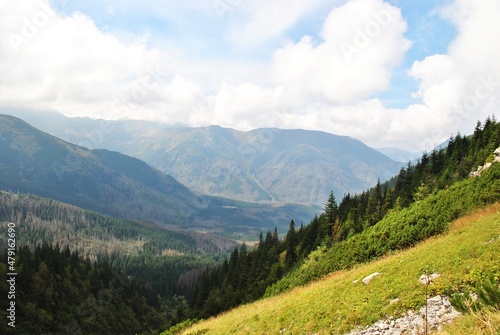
{"x": 369, "y": 278}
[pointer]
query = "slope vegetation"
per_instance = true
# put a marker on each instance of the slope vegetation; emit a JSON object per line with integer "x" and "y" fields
{"x": 340, "y": 302}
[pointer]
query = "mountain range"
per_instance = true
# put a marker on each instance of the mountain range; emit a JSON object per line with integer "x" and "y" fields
{"x": 118, "y": 185}
{"x": 266, "y": 165}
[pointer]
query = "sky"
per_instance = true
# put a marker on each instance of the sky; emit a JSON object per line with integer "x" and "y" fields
{"x": 395, "y": 73}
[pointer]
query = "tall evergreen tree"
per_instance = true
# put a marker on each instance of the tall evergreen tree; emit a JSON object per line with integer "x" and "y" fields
{"x": 330, "y": 215}
{"x": 374, "y": 208}
{"x": 291, "y": 243}
{"x": 331, "y": 208}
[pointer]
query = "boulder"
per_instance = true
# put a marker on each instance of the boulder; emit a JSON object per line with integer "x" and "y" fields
{"x": 497, "y": 155}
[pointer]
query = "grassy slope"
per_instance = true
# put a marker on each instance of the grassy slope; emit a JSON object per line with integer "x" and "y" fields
{"x": 335, "y": 305}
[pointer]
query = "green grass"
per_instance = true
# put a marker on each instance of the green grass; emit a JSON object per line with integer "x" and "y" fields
{"x": 484, "y": 323}
{"x": 336, "y": 305}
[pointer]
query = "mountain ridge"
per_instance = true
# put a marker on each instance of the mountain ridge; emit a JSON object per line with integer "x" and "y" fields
{"x": 265, "y": 165}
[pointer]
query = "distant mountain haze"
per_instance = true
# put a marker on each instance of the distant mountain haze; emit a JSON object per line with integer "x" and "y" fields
{"x": 265, "y": 165}
{"x": 115, "y": 184}
{"x": 400, "y": 155}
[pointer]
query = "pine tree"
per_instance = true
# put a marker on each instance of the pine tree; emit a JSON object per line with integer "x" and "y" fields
{"x": 374, "y": 208}
{"x": 330, "y": 215}
{"x": 331, "y": 208}
{"x": 291, "y": 244}
{"x": 336, "y": 230}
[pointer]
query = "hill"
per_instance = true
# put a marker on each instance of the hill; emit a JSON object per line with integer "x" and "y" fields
{"x": 263, "y": 165}
{"x": 340, "y": 302}
{"x": 119, "y": 185}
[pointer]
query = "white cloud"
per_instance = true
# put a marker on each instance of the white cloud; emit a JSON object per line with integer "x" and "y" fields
{"x": 361, "y": 42}
{"x": 457, "y": 88}
{"x": 255, "y": 22}
{"x": 463, "y": 86}
{"x": 67, "y": 63}
{"x": 329, "y": 81}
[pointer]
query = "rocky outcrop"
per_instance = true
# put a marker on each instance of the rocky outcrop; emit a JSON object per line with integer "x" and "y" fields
{"x": 480, "y": 169}
{"x": 439, "y": 312}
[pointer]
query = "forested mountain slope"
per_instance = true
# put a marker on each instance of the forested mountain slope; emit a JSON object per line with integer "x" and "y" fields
{"x": 118, "y": 185}
{"x": 58, "y": 292}
{"x": 151, "y": 254}
{"x": 417, "y": 203}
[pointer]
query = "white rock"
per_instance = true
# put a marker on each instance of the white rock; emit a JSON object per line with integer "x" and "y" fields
{"x": 427, "y": 279}
{"x": 369, "y": 278}
{"x": 414, "y": 322}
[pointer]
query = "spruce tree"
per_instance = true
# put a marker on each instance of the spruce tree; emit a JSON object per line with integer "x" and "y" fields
{"x": 291, "y": 243}
{"x": 331, "y": 208}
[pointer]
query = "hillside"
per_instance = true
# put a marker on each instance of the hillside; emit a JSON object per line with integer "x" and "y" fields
{"x": 115, "y": 184}
{"x": 151, "y": 254}
{"x": 262, "y": 165}
{"x": 340, "y": 302}
{"x": 414, "y": 205}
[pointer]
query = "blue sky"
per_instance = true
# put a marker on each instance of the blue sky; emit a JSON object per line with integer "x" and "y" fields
{"x": 390, "y": 73}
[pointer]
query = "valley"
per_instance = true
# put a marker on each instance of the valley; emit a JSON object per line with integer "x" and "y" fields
{"x": 118, "y": 185}
{"x": 249, "y": 167}
{"x": 180, "y": 249}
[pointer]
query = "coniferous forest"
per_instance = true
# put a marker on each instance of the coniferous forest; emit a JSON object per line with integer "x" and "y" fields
{"x": 108, "y": 275}
{"x": 60, "y": 292}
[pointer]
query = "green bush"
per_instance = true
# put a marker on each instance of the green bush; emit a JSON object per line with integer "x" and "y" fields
{"x": 486, "y": 295}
